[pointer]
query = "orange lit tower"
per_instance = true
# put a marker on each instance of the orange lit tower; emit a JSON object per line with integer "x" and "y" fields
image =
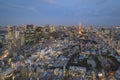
{"x": 80, "y": 29}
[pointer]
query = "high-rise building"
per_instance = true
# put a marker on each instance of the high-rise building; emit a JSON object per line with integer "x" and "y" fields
{"x": 29, "y": 34}
{"x": 3, "y": 33}
{"x": 47, "y": 29}
{"x": 22, "y": 38}
{"x": 1, "y": 45}
{"x": 51, "y": 28}
{"x": 39, "y": 31}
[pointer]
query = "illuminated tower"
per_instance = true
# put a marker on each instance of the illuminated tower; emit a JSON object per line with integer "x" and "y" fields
{"x": 80, "y": 29}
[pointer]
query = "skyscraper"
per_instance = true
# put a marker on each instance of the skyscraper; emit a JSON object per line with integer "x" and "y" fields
{"x": 29, "y": 34}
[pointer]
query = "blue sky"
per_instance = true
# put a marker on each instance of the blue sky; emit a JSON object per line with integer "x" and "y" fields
{"x": 56, "y": 12}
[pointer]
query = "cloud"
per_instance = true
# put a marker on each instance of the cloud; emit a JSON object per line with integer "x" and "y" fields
{"x": 92, "y": 2}
{"x": 101, "y": 1}
{"x": 17, "y": 7}
{"x": 50, "y": 1}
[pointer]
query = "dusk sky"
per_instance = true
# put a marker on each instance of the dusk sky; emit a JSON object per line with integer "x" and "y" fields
{"x": 56, "y": 12}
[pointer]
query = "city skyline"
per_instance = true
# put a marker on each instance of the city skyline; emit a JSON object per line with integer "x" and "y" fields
{"x": 60, "y": 12}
